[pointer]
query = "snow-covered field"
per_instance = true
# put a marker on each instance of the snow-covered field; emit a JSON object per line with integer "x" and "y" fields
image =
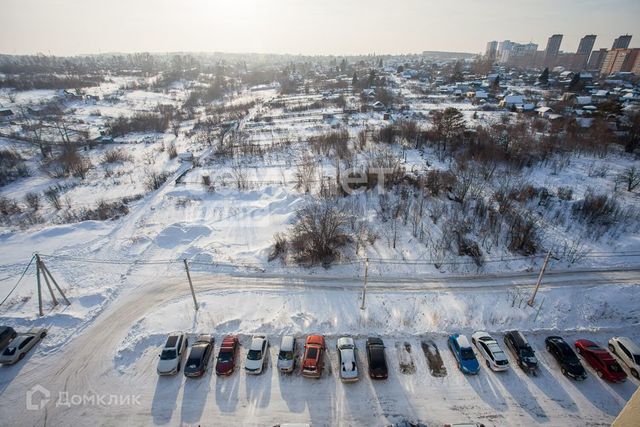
{"x": 126, "y": 282}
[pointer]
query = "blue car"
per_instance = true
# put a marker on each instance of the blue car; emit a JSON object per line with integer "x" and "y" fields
{"x": 461, "y": 349}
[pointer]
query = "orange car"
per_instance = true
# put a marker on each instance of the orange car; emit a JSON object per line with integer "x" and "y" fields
{"x": 313, "y": 360}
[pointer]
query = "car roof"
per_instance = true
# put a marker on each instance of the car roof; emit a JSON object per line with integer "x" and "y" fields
{"x": 519, "y": 339}
{"x": 256, "y": 342}
{"x": 228, "y": 341}
{"x": 348, "y": 355}
{"x": 286, "y": 344}
{"x": 630, "y": 345}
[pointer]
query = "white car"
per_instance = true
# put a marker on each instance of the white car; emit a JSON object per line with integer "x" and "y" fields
{"x": 495, "y": 358}
{"x": 286, "y": 356}
{"x": 21, "y": 344}
{"x": 257, "y": 355}
{"x": 628, "y": 352}
{"x": 172, "y": 354}
{"x": 348, "y": 363}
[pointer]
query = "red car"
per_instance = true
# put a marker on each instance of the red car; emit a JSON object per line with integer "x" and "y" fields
{"x": 226, "y": 363}
{"x": 313, "y": 360}
{"x": 601, "y": 360}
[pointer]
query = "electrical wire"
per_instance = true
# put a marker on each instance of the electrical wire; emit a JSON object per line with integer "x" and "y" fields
{"x": 19, "y": 280}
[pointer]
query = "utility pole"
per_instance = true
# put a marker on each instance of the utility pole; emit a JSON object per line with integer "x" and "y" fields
{"x": 535, "y": 291}
{"x": 41, "y": 269}
{"x": 364, "y": 284}
{"x": 193, "y": 294}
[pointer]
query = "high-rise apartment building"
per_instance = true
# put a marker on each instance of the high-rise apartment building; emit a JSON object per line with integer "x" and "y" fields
{"x": 622, "y": 42}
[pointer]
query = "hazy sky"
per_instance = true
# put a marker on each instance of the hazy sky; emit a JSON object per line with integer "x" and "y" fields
{"x": 65, "y": 27}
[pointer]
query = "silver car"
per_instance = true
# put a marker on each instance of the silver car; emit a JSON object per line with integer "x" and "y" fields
{"x": 20, "y": 345}
{"x": 286, "y": 356}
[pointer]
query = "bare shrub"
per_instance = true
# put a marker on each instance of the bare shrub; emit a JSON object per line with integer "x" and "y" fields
{"x": 240, "y": 176}
{"x": 68, "y": 162}
{"x": 318, "y": 232}
{"x": 565, "y": 193}
{"x": 305, "y": 173}
{"x": 522, "y": 236}
{"x": 600, "y": 209}
{"x": 172, "y": 151}
{"x": 115, "y": 155}
{"x": 630, "y": 177}
{"x": 9, "y": 206}
{"x": 336, "y": 143}
{"x": 52, "y": 194}
{"x": 32, "y": 200}
{"x": 154, "y": 180}
{"x": 438, "y": 182}
{"x": 280, "y": 247}
{"x": 12, "y": 166}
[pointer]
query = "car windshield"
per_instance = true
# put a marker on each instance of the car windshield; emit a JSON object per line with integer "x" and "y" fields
{"x": 168, "y": 354}
{"x": 636, "y": 357}
{"x": 614, "y": 367}
{"x": 225, "y": 356}
{"x": 285, "y": 355}
{"x": 567, "y": 353}
{"x": 312, "y": 353}
{"x": 526, "y": 352}
{"x": 9, "y": 351}
{"x": 467, "y": 354}
{"x": 254, "y": 355}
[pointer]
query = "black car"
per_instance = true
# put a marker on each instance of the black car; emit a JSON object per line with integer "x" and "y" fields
{"x": 6, "y": 335}
{"x": 199, "y": 356}
{"x": 521, "y": 350}
{"x": 377, "y": 361}
{"x": 569, "y": 363}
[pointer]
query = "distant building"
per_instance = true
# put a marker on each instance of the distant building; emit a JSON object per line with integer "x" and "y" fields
{"x": 552, "y": 49}
{"x": 586, "y": 44}
{"x": 621, "y": 60}
{"x": 597, "y": 59}
{"x": 585, "y": 47}
{"x": 622, "y": 42}
{"x": 516, "y": 54}
{"x": 492, "y": 50}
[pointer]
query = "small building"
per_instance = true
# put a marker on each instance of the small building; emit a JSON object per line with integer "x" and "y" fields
{"x": 511, "y": 100}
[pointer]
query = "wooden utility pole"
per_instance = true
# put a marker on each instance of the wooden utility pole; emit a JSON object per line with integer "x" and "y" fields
{"x": 535, "y": 290}
{"x": 364, "y": 284}
{"x": 193, "y": 294}
{"x": 41, "y": 269}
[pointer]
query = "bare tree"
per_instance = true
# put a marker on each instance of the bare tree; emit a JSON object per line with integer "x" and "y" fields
{"x": 305, "y": 173}
{"x": 240, "y": 174}
{"x": 630, "y": 177}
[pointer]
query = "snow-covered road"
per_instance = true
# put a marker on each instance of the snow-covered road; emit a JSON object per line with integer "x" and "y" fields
{"x": 117, "y": 354}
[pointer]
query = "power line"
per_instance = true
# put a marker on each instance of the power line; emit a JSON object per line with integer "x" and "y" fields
{"x": 19, "y": 280}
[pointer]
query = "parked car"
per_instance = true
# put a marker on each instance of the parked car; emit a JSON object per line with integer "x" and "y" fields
{"x": 376, "y": 358}
{"x": 286, "y": 356}
{"x": 601, "y": 361}
{"x": 628, "y": 352}
{"x": 199, "y": 356}
{"x": 226, "y": 363}
{"x": 21, "y": 344}
{"x": 347, "y": 359}
{"x": 521, "y": 350}
{"x": 494, "y": 357}
{"x": 172, "y": 354}
{"x": 313, "y": 360}
{"x": 257, "y": 355}
{"x": 570, "y": 365}
{"x": 462, "y": 351}
{"x": 7, "y": 333}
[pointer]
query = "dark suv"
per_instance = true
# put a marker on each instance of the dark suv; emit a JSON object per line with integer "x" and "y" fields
{"x": 6, "y": 335}
{"x": 569, "y": 363}
{"x": 377, "y": 360}
{"x": 521, "y": 350}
